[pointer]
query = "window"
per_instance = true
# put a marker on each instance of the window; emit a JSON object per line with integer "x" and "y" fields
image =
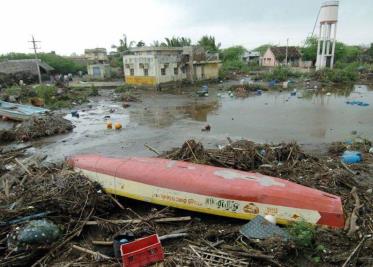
{"x": 146, "y": 72}
{"x": 132, "y": 72}
{"x": 176, "y": 71}
{"x": 163, "y": 71}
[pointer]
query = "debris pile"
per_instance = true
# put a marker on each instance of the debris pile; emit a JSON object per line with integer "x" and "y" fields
{"x": 80, "y": 222}
{"x": 325, "y": 173}
{"x": 36, "y": 127}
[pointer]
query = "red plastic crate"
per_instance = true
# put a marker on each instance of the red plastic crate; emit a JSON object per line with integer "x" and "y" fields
{"x": 142, "y": 252}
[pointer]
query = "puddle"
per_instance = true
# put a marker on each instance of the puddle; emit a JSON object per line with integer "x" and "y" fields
{"x": 165, "y": 120}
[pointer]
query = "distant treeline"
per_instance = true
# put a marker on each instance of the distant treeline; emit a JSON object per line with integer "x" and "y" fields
{"x": 60, "y": 64}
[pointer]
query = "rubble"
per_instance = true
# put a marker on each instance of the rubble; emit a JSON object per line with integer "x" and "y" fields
{"x": 90, "y": 219}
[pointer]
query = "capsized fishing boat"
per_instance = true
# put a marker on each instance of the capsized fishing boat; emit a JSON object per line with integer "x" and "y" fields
{"x": 19, "y": 112}
{"x": 208, "y": 189}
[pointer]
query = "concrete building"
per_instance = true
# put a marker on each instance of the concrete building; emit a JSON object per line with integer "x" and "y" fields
{"x": 96, "y": 55}
{"x": 97, "y": 66}
{"x": 277, "y": 56}
{"x": 99, "y": 71}
{"x": 153, "y": 66}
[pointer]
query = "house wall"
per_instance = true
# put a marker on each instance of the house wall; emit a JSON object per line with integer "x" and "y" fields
{"x": 104, "y": 71}
{"x": 155, "y": 62}
{"x": 269, "y": 59}
{"x": 207, "y": 71}
{"x": 169, "y": 60}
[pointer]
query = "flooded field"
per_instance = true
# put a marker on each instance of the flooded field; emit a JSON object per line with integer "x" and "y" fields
{"x": 165, "y": 120}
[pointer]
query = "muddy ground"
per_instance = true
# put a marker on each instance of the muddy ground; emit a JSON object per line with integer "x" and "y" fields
{"x": 164, "y": 121}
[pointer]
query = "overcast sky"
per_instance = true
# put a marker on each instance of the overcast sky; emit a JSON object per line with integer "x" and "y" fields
{"x": 68, "y": 26}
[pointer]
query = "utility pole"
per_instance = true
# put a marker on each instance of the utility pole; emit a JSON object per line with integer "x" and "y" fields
{"x": 35, "y": 48}
{"x": 286, "y": 57}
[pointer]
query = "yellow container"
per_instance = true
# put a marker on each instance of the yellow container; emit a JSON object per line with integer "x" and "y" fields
{"x": 117, "y": 126}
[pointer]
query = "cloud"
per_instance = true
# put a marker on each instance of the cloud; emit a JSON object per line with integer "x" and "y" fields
{"x": 72, "y": 25}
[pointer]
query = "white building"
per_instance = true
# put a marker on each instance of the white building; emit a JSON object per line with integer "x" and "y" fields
{"x": 153, "y": 66}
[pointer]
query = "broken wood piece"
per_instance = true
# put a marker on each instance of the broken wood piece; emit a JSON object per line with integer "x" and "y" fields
{"x": 102, "y": 242}
{"x": 116, "y": 202}
{"x": 94, "y": 253}
{"x": 356, "y": 249}
{"x": 355, "y": 213}
{"x": 162, "y": 220}
{"x": 152, "y": 149}
{"x": 23, "y": 166}
{"x": 164, "y": 237}
{"x": 347, "y": 168}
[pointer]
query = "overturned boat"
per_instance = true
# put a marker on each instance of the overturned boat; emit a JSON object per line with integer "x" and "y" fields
{"x": 213, "y": 190}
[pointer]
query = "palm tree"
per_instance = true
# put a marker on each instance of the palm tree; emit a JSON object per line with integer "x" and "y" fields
{"x": 209, "y": 43}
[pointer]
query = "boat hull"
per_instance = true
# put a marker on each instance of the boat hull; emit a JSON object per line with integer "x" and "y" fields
{"x": 212, "y": 190}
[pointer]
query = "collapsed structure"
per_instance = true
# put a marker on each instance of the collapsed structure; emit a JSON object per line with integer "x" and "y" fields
{"x": 153, "y": 66}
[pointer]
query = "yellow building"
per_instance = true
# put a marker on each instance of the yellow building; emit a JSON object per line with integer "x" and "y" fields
{"x": 153, "y": 66}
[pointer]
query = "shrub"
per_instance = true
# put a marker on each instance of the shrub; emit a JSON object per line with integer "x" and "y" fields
{"x": 13, "y": 90}
{"x": 336, "y": 75}
{"x": 46, "y": 92}
{"x": 302, "y": 233}
{"x": 280, "y": 74}
{"x": 123, "y": 88}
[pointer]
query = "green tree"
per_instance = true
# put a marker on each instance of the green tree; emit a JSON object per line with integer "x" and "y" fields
{"x": 59, "y": 63}
{"x": 233, "y": 53}
{"x": 209, "y": 43}
{"x": 124, "y": 45}
{"x": 309, "y": 50}
{"x": 263, "y": 48}
{"x": 140, "y": 43}
{"x": 177, "y": 42}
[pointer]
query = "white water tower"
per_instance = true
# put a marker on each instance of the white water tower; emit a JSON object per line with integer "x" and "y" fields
{"x": 327, "y": 36}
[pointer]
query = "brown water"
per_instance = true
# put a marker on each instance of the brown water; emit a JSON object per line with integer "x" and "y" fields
{"x": 165, "y": 120}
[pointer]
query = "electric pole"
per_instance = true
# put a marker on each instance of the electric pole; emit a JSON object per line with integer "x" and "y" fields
{"x": 287, "y": 45}
{"x": 35, "y": 48}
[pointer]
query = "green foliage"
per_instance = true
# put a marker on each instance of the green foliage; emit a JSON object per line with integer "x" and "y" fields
{"x": 46, "y": 92}
{"x": 309, "y": 50}
{"x": 140, "y": 44}
{"x": 263, "y": 48}
{"x": 343, "y": 52}
{"x": 59, "y": 63}
{"x": 232, "y": 60}
{"x": 233, "y": 53}
{"x": 13, "y": 90}
{"x": 124, "y": 45}
{"x": 337, "y": 75}
{"x": 280, "y": 73}
{"x": 94, "y": 91}
{"x": 302, "y": 233}
{"x": 123, "y": 88}
{"x": 209, "y": 43}
{"x": 176, "y": 42}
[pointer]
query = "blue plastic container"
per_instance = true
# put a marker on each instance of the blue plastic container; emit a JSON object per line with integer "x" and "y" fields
{"x": 350, "y": 157}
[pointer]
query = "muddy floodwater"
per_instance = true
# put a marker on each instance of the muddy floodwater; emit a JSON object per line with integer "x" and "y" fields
{"x": 165, "y": 120}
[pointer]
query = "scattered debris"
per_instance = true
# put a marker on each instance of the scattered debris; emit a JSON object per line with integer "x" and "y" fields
{"x": 260, "y": 228}
{"x": 36, "y": 127}
{"x": 88, "y": 219}
{"x": 207, "y": 128}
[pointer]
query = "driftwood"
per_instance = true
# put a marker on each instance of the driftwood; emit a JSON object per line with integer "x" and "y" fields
{"x": 354, "y": 215}
{"x": 362, "y": 241}
{"x": 161, "y": 220}
{"x": 96, "y": 254}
